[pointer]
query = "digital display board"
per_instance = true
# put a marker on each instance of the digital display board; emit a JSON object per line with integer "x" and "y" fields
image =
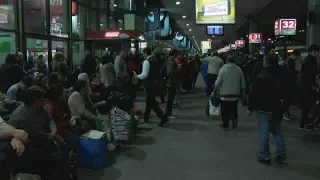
{"x": 215, "y": 11}
{"x": 215, "y": 30}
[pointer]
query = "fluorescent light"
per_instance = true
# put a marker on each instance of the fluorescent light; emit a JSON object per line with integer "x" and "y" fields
{"x": 115, "y": 5}
{"x": 187, "y": 24}
{"x": 178, "y": 2}
{"x": 190, "y": 29}
{"x": 184, "y": 16}
{"x": 193, "y": 36}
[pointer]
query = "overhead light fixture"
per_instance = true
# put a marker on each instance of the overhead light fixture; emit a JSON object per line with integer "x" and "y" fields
{"x": 184, "y": 16}
{"x": 115, "y": 5}
{"x": 178, "y": 2}
{"x": 190, "y": 29}
{"x": 187, "y": 24}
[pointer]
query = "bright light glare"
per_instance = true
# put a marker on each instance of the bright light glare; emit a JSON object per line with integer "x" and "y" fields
{"x": 178, "y": 2}
{"x": 190, "y": 29}
{"x": 115, "y": 5}
{"x": 187, "y": 24}
{"x": 184, "y": 16}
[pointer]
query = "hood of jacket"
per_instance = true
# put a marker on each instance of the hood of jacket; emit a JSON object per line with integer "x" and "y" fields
{"x": 230, "y": 66}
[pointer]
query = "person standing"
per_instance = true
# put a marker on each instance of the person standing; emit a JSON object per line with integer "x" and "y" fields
{"x": 308, "y": 73}
{"x": 89, "y": 64}
{"x": 122, "y": 75}
{"x": 265, "y": 104}
{"x": 171, "y": 78}
{"x": 149, "y": 76}
{"x": 214, "y": 65}
{"x": 231, "y": 83}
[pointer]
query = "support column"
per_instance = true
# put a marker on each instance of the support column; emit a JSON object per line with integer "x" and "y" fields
{"x": 253, "y": 28}
{"x": 313, "y": 36}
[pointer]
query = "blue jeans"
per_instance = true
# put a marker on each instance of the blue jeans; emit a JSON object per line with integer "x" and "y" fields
{"x": 263, "y": 121}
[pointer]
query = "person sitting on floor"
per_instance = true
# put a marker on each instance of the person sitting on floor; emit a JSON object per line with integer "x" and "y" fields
{"x": 41, "y": 81}
{"x": 13, "y": 91}
{"x": 12, "y": 100}
{"x": 77, "y": 103}
{"x": 10, "y": 139}
{"x": 57, "y": 107}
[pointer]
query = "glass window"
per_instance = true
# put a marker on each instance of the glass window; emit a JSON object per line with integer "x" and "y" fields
{"x": 59, "y": 12}
{"x": 7, "y": 44}
{"x": 112, "y": 23}
{"x": 92, "y": 19}
{"x": 37, "y": 47}
{"x": 79, "y": 21}
{"x": 103, "y": 21}
{"x": 77, "y": 52}
{"x": 7, "y": 15}
{"x": 34, "y": 16}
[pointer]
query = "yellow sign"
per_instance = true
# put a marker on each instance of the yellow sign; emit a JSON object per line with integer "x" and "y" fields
{"x": 215, "y": 12}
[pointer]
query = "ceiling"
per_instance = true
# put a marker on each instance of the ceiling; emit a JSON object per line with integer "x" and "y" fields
{"x": 263, "y": 11}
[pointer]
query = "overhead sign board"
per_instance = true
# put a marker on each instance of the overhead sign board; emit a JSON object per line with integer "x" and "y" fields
{"x": 255, "y": 38}
{"x": 215, "y": 11}
{"x": 239, "y": 43}
{"x": 285, "y": 27}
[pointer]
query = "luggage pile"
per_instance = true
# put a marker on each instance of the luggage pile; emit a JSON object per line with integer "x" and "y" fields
{"x": 122, "y": 124}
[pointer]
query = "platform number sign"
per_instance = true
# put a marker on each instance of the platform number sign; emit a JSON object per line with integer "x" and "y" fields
{"x": 239, "y": 43}
{"x": 285, "y": 27}
{"x": 255, "y": 38}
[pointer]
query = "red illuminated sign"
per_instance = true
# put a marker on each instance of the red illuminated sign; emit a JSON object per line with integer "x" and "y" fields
{"x": 255, "y": 38}
{"x": 285, "y": 27}
{"x": 112, "y": 34}
{"x": 240, "y": 43}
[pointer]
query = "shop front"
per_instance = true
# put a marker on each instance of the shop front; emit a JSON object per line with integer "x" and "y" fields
{"x": 108, "y": 41}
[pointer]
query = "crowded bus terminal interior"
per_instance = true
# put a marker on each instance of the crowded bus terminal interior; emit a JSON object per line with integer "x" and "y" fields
{"x": 159, "y": 89}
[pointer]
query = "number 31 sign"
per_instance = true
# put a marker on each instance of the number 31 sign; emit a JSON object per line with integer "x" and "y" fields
{"x": 285, "y": 27}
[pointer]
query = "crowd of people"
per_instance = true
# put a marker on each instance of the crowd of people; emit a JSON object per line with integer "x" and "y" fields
{"x": 49, "y": 106}
{"x": 268, "y": 85}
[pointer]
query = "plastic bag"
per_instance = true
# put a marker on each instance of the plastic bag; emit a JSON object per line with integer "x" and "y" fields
{"x": 103, "y": 124}
{"x": 214, "y": 110}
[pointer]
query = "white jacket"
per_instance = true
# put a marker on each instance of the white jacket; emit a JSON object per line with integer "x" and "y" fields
{"x": 214, "y": 64}
{"x": 230, "y": 81}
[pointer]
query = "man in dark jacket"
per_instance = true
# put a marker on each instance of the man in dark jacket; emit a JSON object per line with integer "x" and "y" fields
{"x": 149, "y": 76}
{"x": 265, "y": 103}
{"x": 308, "y": 73}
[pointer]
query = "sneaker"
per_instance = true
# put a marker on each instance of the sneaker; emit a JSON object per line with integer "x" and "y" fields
{"x": 286, "y": 117}
{"x": 264, "y": 161}
{"x": 305, "y": 128}
{"x": 234, "y": 123}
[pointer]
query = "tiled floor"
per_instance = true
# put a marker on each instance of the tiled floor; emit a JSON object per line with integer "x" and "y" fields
{"x": 194, "y": 147}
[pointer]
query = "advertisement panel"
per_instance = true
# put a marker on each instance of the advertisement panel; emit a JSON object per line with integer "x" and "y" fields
{"x": 255, "y": 38}
{"x": 240, "y": 43}
{"x": 285, "y": 27}
{"x": 215, "y": 11}
{"x": 205, "y": 45}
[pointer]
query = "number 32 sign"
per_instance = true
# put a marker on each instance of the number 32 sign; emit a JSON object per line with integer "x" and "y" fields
{"x": 285, "y": 27}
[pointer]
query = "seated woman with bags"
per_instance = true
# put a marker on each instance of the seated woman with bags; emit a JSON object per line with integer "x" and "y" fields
{"x": 77, "y": 104}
